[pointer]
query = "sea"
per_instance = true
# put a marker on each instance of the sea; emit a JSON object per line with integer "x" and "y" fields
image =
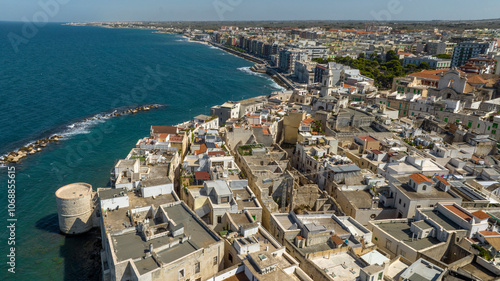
{"x": 57, "y": 77}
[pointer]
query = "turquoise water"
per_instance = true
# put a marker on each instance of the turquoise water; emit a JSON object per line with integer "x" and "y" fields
{"x": 65, "y": 74}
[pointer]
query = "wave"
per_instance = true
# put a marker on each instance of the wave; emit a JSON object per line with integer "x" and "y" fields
{"x": 273, "y": 86}
{"x": 276, "y": 86}
{"x": 80, "y": 127}
{"x": 246, "y": 69}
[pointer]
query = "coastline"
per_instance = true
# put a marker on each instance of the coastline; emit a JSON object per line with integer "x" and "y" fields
{"x": 278, "y": 79}
{"x": 33, "y": 147}
{"x": 270, "y": 72}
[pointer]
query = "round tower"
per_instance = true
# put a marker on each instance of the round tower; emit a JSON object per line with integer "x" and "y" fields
{"x": 75, "y": 208}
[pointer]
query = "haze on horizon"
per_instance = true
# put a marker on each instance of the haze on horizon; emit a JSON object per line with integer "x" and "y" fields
{"x": 247, "y": 10}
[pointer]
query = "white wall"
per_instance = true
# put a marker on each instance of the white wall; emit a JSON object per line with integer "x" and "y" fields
{"x": 121, "y": 202}
{"x": 157, "y": 190}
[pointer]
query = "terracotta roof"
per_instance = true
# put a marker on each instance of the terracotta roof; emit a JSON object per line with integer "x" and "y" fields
{"x": 376, "y": 151}
{"x": 481, "y": 215}
{"x": 458, "y": 212}
{"x": 367, "y": 138}
{"x": 489, "y": 233}
{"x": 474, "y": 240}
{"x": 428, "y": 74}
{"x": 203, "y": 149}
{"x": 475, "y": 158}
{"x": 445, "y": 182}
{"x": 307, "y": 121}
{"x": 337, "y": 240}
{"x": 164, "y": 129}
{"x": 419, "y": 178}
{"x": 216, "y": 153}
{"x": 476, "y": 79}
{"x": 404, "y": 53}
{"x": 348, "y": 86}
{"x": 203, "y": 175}
{"x": 175, "y": 139}
{"x": 163, "y": 136}
{"x": 494, "y": 242}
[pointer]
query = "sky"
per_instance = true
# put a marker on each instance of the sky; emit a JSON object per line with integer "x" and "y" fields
{"x": 230, "y": 10}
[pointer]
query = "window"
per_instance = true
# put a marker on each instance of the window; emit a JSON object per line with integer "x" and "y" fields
{"x": 215, "y": 260}
{"x": 181, "y": 274}
{"x": 478, "y": 125}
{"x": 230, "y": 258}
{"x": 446, "y": 119}
{"x": 197, "y": 267}
{"x": 494, "y": 132}
{"x": 418, "y": 206}
{"x": 424, "y": 187}
{"x": 495, "y": 125}
{"x": 489, "y": 128}
{"x": 399, "y": 201}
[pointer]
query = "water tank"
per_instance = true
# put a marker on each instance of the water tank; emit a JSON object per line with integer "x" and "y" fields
{"x": 75, "y": 208}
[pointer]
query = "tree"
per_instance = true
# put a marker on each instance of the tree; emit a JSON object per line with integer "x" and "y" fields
{"x": 320, "y": 60}
{"x": 391, "y": 55}
{"x": 424, "y": 65}
{"x": 443, "y": 56}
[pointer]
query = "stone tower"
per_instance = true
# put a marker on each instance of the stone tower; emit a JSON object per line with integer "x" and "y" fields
{"x": 75, "y": 208}
{"x": 327, "y": 83}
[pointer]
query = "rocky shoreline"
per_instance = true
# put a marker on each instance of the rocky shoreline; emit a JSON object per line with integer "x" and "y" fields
{"x": 14, "y": 157}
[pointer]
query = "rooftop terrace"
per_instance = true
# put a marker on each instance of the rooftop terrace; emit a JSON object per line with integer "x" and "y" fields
{"x": 341, "y": 266}
{"x": 401, "y": 231}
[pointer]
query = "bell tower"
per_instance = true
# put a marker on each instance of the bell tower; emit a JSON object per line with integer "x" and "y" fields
{"x": 327, "y": 83}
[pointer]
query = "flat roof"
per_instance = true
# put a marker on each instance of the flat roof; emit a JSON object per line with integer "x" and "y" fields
{"x": 341, "y": 266}
{"x": 74, "y": 190}
{"x": 112, "y": 193}
{"x": 431, "y": 193}
{"x": 441, "y": 219}
{"x": 361, "y": 199}
{"x": 395, "y": 269}
{"x": 401, "y": 231}
{"x": 422, "y": 270}
{"x": 374, "y": 257}
{"x": 237, "y": 277}
{"x": 132, "y": 246}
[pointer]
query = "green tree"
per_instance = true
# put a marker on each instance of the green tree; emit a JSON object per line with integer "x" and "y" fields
{"x": 424, "y": 65}
{"x": 391, "y": 55}
{"x": 443, "y": 56}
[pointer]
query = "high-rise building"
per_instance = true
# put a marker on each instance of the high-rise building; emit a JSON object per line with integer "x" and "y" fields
{"x": 288, "y": 57}
{"x": 466, "y": 50}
